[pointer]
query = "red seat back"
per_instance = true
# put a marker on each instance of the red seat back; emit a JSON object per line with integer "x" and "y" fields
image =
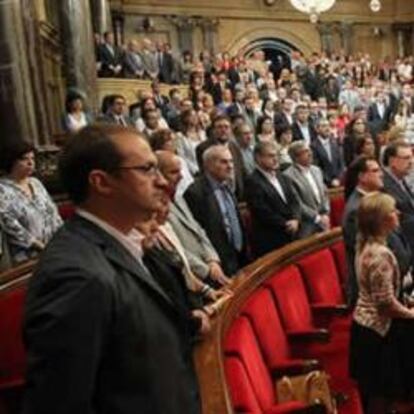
{"x": 264, "y": 317}
{"x": 66, "y": 209}
{"x": 12, "y": 353}
{"x": 241, "y": 391}
{"x": 241, "y": 342}
{"x": 337, "y": 203}
{"x": 321, "y": 278}
{"x": 339, "y": 254}
{"x": 291, "y": 298}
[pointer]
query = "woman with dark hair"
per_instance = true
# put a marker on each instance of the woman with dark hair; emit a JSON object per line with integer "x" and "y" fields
{"x": 265, "y": 130}
{"x": 365, "y": 146}
{"x": 355, "y": 130}
{"x": 28, "y": 215}
{"x": 186, "y": 66}
{"x": 75, "y": 116}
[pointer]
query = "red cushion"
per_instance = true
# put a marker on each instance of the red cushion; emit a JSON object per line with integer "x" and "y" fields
{"x": 337, "y": 209}
{"x": 241, "y": 342}
{"x": 263, "y": 315}
{"x": 12, "y": 353}
{"x": 240, "y": 388}
{"x": 66, "y": 210}
{"x": 339, "y": 254}
{"x": 321, "y": 278}
{"x": 291, "y": 298}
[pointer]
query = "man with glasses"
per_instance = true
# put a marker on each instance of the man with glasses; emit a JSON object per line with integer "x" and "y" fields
{"x": 398, "y": 162}
{"x": 101, "y": 333}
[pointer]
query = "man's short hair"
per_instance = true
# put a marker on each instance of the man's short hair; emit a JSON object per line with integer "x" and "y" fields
{"x": 261, "y": 147}
{"x": 358, "y": 166}
{"x": 300, "y": 107}
{"x": 392, "y": 150}
{"x": 296, "y": 148}
{"x": 219, "y": 118}
{"x": 211, "y": 153}
{"x": 92, "y": 148}
{"x": 114, "y": 97}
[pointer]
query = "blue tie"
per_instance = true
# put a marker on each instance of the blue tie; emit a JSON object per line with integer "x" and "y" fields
{"x": 231, "y": 218}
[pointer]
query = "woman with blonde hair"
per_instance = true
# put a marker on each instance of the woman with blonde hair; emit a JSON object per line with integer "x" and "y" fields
{"x": 379, "y": 360}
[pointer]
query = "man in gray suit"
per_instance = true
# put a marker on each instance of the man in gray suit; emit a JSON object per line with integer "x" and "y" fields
{"x": 307, "y": 181}
{"x": 203, "y": 258}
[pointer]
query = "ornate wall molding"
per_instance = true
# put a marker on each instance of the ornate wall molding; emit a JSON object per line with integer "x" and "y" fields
{"x": 244, "y": 39}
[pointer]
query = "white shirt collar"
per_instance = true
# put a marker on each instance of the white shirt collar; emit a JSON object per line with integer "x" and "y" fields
{"x": 132, "y": 241}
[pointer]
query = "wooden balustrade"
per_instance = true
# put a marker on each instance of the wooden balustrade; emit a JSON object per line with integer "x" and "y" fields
{"x": 129, "y": 87}
{"x": 209, "y": 354}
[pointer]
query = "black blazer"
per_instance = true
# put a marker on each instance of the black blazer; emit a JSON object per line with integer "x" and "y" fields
{"x": 270, "y": 212}
{"x": 405, "y": 204}
{"x": 331, "y": 169}
{"x": 297, "y": 133}
{"x": 101, "y": 334}
{"x": 203, "y": 204}
{"x": 107, "y": 59}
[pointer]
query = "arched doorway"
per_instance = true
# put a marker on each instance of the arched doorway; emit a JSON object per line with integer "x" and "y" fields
{"x": 276, "y": 50}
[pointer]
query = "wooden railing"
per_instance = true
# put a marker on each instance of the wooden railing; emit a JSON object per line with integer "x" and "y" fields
{"x": 209, "y": 354}
{"x": 129, "y": 87}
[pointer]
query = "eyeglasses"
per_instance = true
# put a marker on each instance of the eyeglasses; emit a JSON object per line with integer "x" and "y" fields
{"x": 150, "y": 170}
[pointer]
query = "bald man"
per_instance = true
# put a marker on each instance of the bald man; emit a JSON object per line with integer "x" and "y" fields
{"x": 213, "y": 205}
{"x": 203, "y": 258}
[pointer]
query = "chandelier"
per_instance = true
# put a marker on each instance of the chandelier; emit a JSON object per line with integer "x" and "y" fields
{"x": 312, "y": 7}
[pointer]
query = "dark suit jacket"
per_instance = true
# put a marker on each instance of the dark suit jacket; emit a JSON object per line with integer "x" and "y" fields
{"x": 331, "y": 169}
{"x": 297, "y": 133}
{"x": 397, "y": 242}
{"x": 281, "y": 120}
{"x": 376, "y": 122}
{"x": 203, "y": 204}
{"x": 405, "y": 204}
{"x": 270, "y": 212}
{"x": 102, "y": 336}
{"x": 166, "y": 69}
{"x": 107, "y": 59}
{"x": 110, "y": 119}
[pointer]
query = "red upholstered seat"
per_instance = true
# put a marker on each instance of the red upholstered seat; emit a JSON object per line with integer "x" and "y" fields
{"x": 337, "y": 203}
{"x": 241, "y": 391}
{"x": 263, "y": 315}
{"x": 339, "y": 254}
{"x": 241, "y": 342}
{"x": 295, "y": 311}
{"x": 66, "y": 210}
{"x": 321, "y": 278}
{"x": 12, "y": 354}
{"x": 323, "y": 284}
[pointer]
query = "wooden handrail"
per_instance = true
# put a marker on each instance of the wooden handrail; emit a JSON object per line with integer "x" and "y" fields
{"x": 16, "y": 274}
{"x": 209, "y": 353}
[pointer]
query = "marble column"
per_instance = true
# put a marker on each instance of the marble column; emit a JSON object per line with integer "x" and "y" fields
{"x": 101, "y": 16}
{"x": 210, "y": 33}
{"x": 326, "y": 34}
{"x": 78, "y": 45}
{"x": 18, "y": 119}
{"x": 346, "y": 31}
{"x": 185, "y": 29}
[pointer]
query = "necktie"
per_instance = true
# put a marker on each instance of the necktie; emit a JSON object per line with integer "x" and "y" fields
{"x": 231, "y": 218}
